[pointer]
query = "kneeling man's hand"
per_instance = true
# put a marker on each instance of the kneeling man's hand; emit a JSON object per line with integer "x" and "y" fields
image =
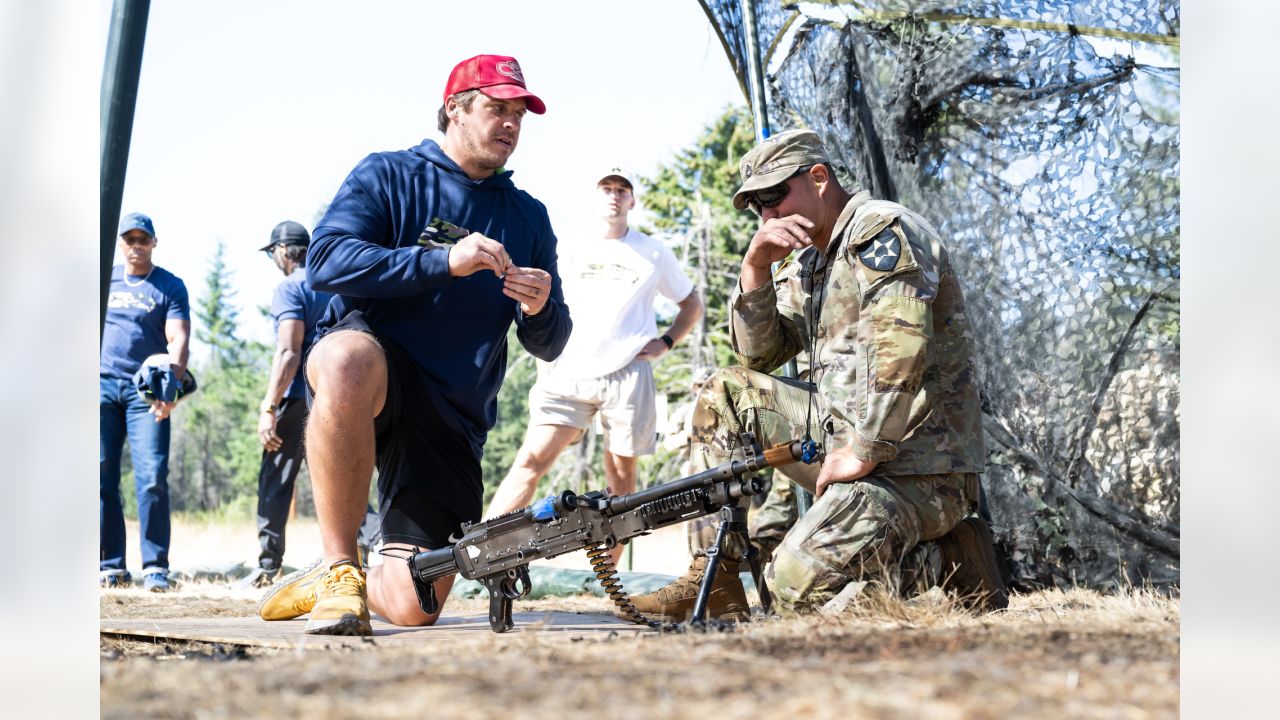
{"x": 842, "y": 466}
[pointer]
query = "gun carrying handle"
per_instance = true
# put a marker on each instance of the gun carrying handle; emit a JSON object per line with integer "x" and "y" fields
{"x": 782, "y": 454}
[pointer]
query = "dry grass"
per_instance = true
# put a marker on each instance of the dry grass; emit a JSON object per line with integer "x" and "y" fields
{"x": 1051, "y": 654}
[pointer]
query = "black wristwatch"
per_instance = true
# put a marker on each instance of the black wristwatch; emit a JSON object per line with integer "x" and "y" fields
{"x": 667, "y": 339}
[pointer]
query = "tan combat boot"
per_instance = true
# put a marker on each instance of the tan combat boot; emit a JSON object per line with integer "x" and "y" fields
{"x": 674, "y": 602}
{"x": 342, "y": 604}
{"x": 969, "y": 566}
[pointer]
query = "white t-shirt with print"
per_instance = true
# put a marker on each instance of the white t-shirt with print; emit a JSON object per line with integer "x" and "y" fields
{"x": 610, "y": 287}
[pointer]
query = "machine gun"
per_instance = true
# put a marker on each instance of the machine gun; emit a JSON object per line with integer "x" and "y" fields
{"x": 497, "y": 552}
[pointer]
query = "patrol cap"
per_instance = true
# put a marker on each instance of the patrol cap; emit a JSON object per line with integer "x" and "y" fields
{"x": 615, "y": 171}
{"x": 497, "y": 76}
{"x": 288, "y": 233}
{"x": 136, "y": 221}
{"x": 777, "y": 159}
{"x": 155, "y": 380}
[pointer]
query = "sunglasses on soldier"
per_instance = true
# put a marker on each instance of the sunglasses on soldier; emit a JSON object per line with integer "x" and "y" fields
{"x": 771, "y": 196}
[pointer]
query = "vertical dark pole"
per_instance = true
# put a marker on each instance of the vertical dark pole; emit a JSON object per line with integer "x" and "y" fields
{"x": 760, "y": 114}
{"x": 119, "y": 96}
{"x": 755, "y": 72}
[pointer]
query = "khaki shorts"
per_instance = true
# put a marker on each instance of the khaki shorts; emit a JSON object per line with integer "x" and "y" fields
{"x": 624, "y": 399}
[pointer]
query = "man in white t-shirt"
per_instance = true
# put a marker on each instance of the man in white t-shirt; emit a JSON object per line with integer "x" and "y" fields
{"x": 610, "y": 282}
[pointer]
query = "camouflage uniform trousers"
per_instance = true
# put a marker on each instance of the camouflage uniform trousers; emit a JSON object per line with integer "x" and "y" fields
{"x": 855, "y": 531}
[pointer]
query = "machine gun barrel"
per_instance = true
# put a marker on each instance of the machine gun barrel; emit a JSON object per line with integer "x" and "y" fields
{"x": 773, "y": 457}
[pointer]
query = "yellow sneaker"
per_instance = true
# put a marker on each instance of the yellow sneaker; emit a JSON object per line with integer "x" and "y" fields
{"x": 341, "y": 604}
{"x": 292, "y": 595}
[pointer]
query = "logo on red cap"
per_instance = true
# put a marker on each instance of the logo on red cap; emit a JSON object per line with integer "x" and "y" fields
{"x": 511, "y": 69}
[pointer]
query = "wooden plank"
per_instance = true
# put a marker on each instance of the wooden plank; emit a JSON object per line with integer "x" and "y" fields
{"x": 287, "y": 634}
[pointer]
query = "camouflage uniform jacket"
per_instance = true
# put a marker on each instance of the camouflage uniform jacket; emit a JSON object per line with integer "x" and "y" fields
{"x": 895, "y": 362}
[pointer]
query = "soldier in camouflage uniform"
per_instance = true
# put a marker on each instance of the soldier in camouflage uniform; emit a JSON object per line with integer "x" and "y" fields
{"x": 873, "y": 297}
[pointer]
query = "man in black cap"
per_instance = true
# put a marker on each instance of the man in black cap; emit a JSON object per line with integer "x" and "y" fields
{"x": 295, "y": 309}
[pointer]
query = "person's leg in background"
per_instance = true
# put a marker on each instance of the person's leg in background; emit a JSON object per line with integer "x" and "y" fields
{"x": 149, "y": 450}
{"x": 111, "y": 436}
{"x": 542, "y": 445}
{"x": 277, "y": 475}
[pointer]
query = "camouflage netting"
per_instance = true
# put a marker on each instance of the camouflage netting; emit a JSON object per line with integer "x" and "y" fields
{"x": 1042, "y": 139}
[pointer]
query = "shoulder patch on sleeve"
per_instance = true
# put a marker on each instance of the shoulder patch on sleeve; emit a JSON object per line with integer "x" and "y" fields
{"x": 885, "y": 253}
{"x": 882, "y": 252}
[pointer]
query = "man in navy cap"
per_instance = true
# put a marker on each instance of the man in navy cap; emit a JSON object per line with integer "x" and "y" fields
{"x": 147, "y": 314}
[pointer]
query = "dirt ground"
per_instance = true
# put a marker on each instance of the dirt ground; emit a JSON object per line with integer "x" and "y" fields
{"x": 1074, "y": 654}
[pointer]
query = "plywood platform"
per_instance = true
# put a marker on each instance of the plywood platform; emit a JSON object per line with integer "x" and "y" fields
{"x": 287, "y": 634}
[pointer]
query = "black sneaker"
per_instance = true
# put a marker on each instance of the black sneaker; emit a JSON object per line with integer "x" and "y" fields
{"x": 259, "y": 578}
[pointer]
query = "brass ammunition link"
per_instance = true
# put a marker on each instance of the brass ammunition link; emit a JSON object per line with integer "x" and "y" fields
{"x": 607, "y": 574}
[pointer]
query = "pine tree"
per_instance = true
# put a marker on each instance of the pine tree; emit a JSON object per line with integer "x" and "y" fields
{"x": 216, "y": 450}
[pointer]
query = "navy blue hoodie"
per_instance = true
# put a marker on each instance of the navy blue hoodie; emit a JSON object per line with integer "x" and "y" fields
{"x": 366, "y": 251}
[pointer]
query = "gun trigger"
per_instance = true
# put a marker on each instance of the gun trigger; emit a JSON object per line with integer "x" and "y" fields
{"x": 524, "y": 584}
{"x": 427, "y": 598}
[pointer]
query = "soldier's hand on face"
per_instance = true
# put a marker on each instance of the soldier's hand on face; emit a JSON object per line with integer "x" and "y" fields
{"x": 777, "y": 238}
{"x": 531, "y": 287}
{"x": 842, "y": 466}
{"x": 476, "y": 252}
{"x": 271, "y": 441}
{"x": 652, "y": 350}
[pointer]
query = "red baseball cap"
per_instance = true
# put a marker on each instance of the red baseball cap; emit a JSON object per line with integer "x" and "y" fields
{"x": 497, "y": 76}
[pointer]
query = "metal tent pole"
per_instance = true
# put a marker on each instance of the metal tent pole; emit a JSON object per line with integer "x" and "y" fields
{"x": 760, "y": 115}
{"x": 119, "y": 96}
{"x": 755, "y": 73}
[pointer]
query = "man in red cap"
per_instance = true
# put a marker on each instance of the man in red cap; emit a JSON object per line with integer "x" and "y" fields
{"x": 412, "y": 351}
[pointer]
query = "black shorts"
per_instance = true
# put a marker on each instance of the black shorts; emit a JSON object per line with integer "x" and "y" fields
{"x": 429, "y": 477}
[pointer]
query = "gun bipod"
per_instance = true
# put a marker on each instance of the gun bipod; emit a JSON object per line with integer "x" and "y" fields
{"x": 733, "y": 520}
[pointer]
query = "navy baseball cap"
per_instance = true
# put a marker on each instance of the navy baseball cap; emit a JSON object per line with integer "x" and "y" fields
{"x": 288, "y": 233}
{"x": 136, "y": 221}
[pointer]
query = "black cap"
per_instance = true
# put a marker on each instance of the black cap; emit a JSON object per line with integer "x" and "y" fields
{"x": 288, "y": 233}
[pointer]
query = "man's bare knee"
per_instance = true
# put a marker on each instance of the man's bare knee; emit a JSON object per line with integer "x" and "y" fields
{"x": 408, "y": 614}
{"x": 348, "y": 366}
{"x": 392, "y": 595}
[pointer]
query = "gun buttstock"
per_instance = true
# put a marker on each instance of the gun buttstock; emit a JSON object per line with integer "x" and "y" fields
{"x": 782, "y": 454}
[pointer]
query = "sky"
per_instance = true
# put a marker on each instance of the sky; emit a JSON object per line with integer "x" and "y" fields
{"x": 251, "y": 113}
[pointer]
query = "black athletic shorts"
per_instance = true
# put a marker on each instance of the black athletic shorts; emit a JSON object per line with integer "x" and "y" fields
{"x": 429, "y": 478}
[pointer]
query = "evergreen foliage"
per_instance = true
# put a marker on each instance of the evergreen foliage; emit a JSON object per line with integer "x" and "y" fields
{"x": 691, "y": 198}
{"x": 215, "y": 453}
{"x": 513, "y": 415}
